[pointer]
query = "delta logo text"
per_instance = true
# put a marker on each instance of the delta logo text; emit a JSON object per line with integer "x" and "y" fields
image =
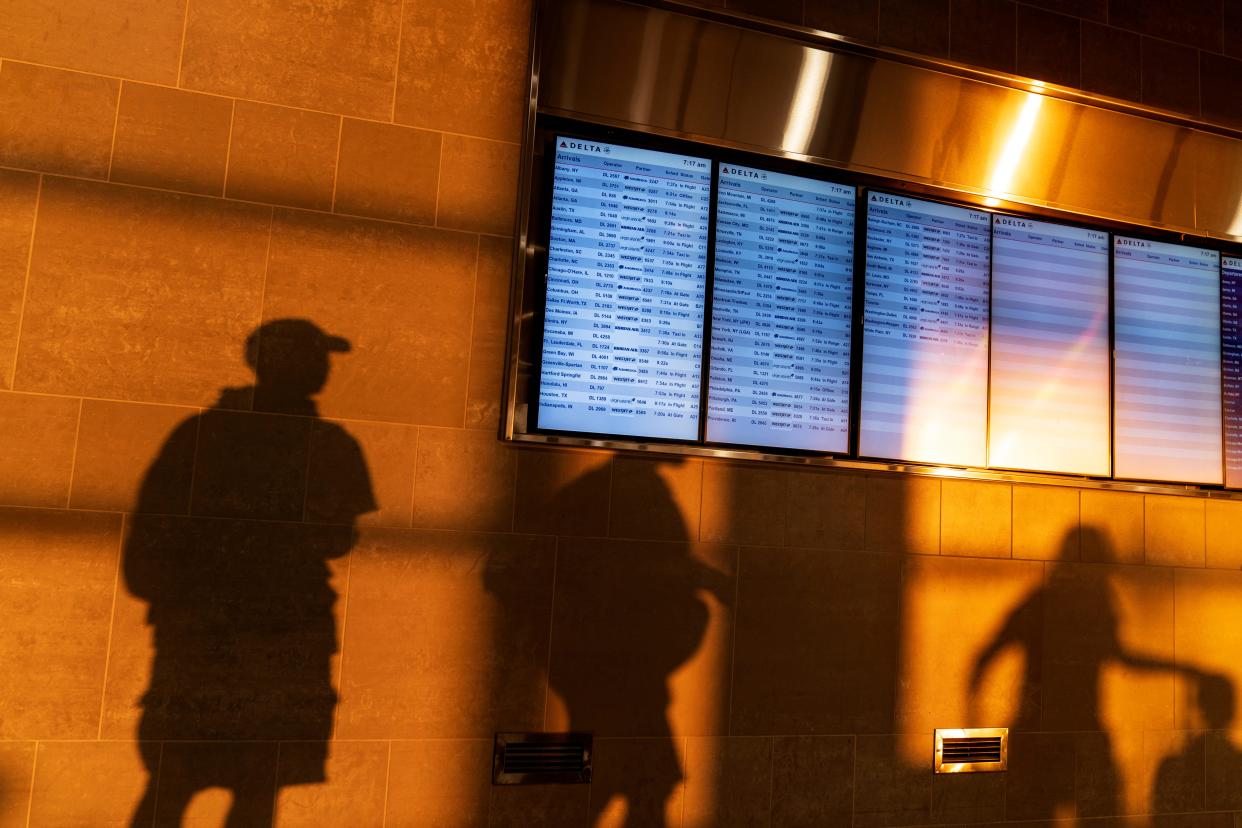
{"x": 585, "y": 147}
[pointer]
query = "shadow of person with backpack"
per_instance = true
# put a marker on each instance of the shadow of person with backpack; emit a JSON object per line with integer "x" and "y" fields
{"x": 238, "y": 590}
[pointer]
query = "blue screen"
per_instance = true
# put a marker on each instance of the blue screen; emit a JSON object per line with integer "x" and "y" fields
{"x": 1167, "y": 410}
{"x": 925, "y": 332}
{"x": 781, "y": 311}
{"x": 627, "y": 272}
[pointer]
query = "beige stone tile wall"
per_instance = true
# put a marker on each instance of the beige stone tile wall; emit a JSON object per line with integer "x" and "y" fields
{"x": 752, "y": 644}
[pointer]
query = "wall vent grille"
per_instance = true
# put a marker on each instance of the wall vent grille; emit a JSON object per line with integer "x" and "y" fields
{"x": 541, "y": 759}
{"x": 972, "y": 750}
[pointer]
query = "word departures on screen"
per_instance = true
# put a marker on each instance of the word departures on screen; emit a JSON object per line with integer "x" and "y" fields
{"x": 1049, "y": 387}
{"x": 1231, "y": 367}
{"x": 779, "y": 370}
{"x": 925, "y": 332}
{"x": 1167, "y": 411}
{"x": 627, "y": 273}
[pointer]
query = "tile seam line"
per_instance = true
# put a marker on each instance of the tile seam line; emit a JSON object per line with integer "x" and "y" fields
{"x": 276, "y": 783}
{"x": 435, "y": 211}
{"x": 267, "y": 266}
{"x": 116, "y": 588}
{"x": 273, "y": 521}
{"x": 228, "y": 152}
{"x": 685, "y": 755}
{"x": 771, "y": 779}
{"x": 596, "y": 538}
{"x": 474, "y": 306}
{"x": 244, "y": 99}
{"x": 490, "y": 739}
{"x": 387, "y": 787}
{"x": 274, "y": 741}
{"x": 34, "y": 768}
{"x": 185, "y": 28}
{"x": 336, "y": 165}
{"x": 853, "y": 776}
{"x": 73, "y": 463}
{"x": 396, "y": 70}
{"x": 340, "y": 669}
{"x": 413, "y": 493}
{"x": 21, "y": 314}
{"x": 155, "y": 780}
{"x": 267, "y": 204}
{"x": 198, "y": 409}
{"x": 547, "y": 664}
{"x": 194, "y": 465}
{"x": 116, "y": 127}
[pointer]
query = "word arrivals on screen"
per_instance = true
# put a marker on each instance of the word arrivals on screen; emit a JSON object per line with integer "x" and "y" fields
{"x": 781, "y": 311}
{"x": 627, "y": 274}
{"x": 925, "y": 332}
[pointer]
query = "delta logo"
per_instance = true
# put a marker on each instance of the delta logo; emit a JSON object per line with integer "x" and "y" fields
{"x": 583, "y": 146}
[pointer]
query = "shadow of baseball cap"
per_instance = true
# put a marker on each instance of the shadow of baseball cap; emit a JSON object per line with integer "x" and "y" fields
{"x": 292, "y": 336}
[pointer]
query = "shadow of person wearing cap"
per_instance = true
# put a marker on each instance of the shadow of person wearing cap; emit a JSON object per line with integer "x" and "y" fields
{"x": 235, "y": 524}
{"x": 1179, "y": 786}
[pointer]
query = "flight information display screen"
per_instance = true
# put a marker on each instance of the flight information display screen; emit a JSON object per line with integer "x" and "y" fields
{"x": 1167, "y": 410}
{"x": 779, "y": 372}
{"x": 1231, "y": 365}
{"x": 1049, "y": 400}
{"x": 925, "y": 332}
{"x": 627, "y": 273}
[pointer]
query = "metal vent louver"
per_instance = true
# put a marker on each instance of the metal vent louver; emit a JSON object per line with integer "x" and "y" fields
{"x": 972, "y": 750}
{"x": 541, "y": 759}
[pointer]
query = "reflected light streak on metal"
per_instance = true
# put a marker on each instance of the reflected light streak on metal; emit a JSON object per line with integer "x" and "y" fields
{"x": 807, "y": 100}
{"x": 1235, "y": 226}
{"x": 1015, "y": 145}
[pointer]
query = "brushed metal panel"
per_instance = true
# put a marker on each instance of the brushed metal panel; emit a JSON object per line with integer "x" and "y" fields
{"x": 1129, "y": 168}
{"x": 635, "y": 65}
{"x": 1218, "y": 185}
{"x": 659, "y": 70}
{"x": 649, "y": 68}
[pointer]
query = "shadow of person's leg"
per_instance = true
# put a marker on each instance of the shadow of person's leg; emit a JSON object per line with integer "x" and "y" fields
{"x": 173, "y": 800}
{"x": 251, "y": 810}
{"x": 144, "y": 813}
